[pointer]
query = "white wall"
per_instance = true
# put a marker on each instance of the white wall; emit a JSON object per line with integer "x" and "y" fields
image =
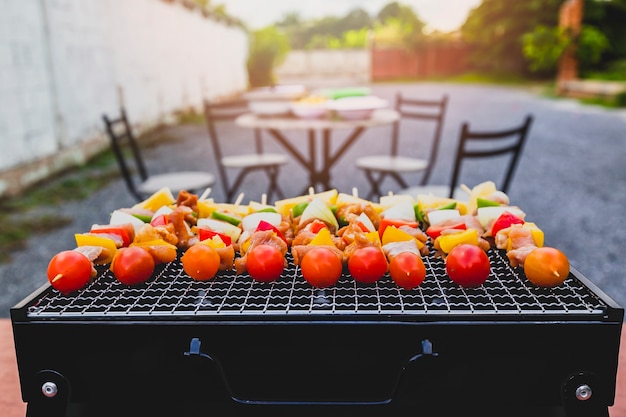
{"x": 63, "y": 63}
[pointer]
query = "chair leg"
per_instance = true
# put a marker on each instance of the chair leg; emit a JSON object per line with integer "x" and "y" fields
{"x": 374, "y": 183}
{"x": 274, "y": 188}
{"x": 399, "y": 179}
{"x": 230, "y": 192}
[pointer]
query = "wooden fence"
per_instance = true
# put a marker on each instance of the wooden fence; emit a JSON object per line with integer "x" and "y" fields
{"x": 430, "y": 60}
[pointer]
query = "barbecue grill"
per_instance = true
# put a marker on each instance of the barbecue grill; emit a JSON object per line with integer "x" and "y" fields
{"x": 233, "y": 346}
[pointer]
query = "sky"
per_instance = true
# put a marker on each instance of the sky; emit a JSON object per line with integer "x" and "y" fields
{"x": 443, "y": 15}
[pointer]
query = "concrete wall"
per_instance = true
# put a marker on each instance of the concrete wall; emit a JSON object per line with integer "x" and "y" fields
{"x": 63, "y": 63}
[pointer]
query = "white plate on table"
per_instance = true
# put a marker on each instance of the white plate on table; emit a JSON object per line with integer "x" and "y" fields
{"x": 356, "y": 108}
{"x": 276, "y": 93}
{"x": 270, "y": 108}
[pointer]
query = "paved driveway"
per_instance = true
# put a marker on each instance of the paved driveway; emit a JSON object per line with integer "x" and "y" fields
{"x": 571, "y": 179}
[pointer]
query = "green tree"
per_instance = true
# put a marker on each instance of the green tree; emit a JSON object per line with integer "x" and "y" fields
{"x": 268, "y": 49}
{"x": 356, "y": 19}
{"x": 544, "y": 46}
{"x": 608, "y": 17}
{"x": 397, "y": 24}
{"x": 496, "y": 28}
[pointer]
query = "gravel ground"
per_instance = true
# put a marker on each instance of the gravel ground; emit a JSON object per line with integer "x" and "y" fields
{"x": 571, "y": 179}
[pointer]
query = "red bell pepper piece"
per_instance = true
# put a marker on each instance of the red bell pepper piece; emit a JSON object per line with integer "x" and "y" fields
{"x": 119, "y": 231}
{"x": 505, "y": 220}
{"x": 160, "y": 220}
{"x": 316, "y": 226}
{"x": 397, "y": 223}
{"x": 263, "y": 226}
{"x": 435, "y": 231}
{"x": 204, "y": 234}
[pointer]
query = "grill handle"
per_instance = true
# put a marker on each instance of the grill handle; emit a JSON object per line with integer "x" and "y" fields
{"x": 205, "y": 378}
{"x": 417, "y": 374}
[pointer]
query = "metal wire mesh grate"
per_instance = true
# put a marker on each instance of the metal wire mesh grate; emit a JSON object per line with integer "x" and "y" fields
{"x": 171, "y": 293}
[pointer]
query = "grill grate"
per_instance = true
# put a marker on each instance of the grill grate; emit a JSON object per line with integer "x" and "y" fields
{"x": 171, "y": 293}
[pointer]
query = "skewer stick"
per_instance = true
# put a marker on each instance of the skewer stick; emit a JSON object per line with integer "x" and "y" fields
{"x": 311, "y": 190}
{"x": 239, "y": 199}
{"x": 205, "y": 194}
{"x": 355, "y": 192}
{"x": 466, "y": 189}
{"x": 264, "y": 199}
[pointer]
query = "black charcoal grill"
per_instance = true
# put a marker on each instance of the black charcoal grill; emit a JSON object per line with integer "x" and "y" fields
{"x": 232, "y": 346}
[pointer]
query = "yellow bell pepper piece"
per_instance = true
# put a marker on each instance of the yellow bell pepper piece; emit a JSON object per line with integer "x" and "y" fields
{"x": 373, "y": 237}
{"x": 215, "y": 242}
{"x": 90, "y": 240}
{"x": 163, "y": 197}
{"x": 322, "y": 238}
{"x": 205, "y": 208}
{"x": 393, "y": 234}
{"x": 243, "y": 248}
{"x": 448, "y": 242}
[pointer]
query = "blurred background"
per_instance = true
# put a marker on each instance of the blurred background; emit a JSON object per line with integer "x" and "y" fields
{"x": 65, "y": 63}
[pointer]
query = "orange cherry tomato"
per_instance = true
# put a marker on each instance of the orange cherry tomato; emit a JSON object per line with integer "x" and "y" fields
{"x": 407, "y": 270}
{"x": 468, "y": 265}
{"x": 546, "y": 267}
{"x": 367, "y": 264}
{"x": 265, "y": 263}
{"x": 201, "y": 262}
{"x": 69, "y": 271}
{"x": 133, "y": 265}
{"x": 321, "y": 267}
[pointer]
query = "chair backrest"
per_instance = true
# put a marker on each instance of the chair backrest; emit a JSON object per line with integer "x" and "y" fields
{"x": 419, "y": 109}
{"x": 222, "y": 111}
{"x": 121, "y": 136}
{"x": 486, "y": 144}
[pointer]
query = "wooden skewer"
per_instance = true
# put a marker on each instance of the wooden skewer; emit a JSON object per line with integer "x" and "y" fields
{"x": 355, "y": 192}
{"x": 466, "y": 189}
{"x": 264, "y": 199}
{"x": 205, "y": 194}
{"x": 311, "y": 190}
{"x": 239, "y": 199}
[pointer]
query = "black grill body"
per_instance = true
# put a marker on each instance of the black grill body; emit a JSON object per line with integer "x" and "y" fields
{"x": 233, "y": 346}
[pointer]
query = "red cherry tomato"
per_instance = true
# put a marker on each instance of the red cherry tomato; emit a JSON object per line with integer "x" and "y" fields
{"x": 133, "y": 265}
{"x": 201, "y": 262}
{"x": 69, "y": 271}
{"x": 468, "y": 265}
{"x": 321, "y": 267}
{"x": 367, "y": 264}
{"x": 407, "y": 270}
{"x": 265, "y": 263}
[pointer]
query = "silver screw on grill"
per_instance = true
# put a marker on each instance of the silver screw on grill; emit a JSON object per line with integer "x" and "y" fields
{"x": 49, "y": 389}
{"x": 583, "y": 392}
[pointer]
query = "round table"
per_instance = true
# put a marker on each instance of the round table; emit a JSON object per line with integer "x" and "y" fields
{"x": 278, "y": 125}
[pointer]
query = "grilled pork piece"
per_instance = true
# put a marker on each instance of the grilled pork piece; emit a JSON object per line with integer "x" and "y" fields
{"x": 299, "y": 251}
{"x": 517, "y": 241}
{"x": 394, "y": 248}
{"x": 265, "y": 237}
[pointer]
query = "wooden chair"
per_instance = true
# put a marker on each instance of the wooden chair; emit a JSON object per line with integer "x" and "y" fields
{"x": 130, "y": 160}
{"x": 476, "y": 145}
{"x": 399, "y": 162}
{"x": 246, "y": 162}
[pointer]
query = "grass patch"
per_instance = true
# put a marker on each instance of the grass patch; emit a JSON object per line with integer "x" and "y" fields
{"x": 15, "y": 231}
{"x": 18, "y": 215}
{"x": 190, "y": 117}
{"x": 28, "y": 214}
